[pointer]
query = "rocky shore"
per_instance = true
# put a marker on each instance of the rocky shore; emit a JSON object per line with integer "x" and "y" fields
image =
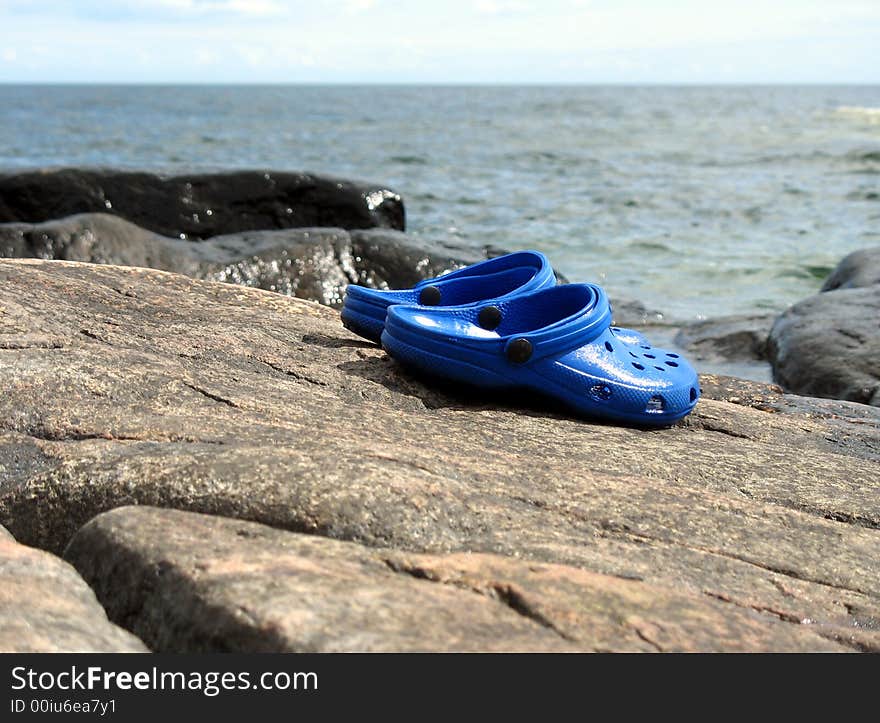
{"x": 296, "y": 234}
{"x": 199, "y": 206}
{"x": 188, "y": 465}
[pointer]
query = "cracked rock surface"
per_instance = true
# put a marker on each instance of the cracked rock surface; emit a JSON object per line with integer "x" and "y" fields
{"x": 125, "y": 386}
{"x": 191, "y": 582}
{"x": 46, "y": 607}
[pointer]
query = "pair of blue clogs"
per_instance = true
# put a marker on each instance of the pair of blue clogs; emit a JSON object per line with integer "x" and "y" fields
{"x": 504, "y": 323}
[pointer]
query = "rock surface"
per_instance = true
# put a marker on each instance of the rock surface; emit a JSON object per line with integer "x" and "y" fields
{"x": 861, "y": 268}
{"x": 311, "y": 263}
{"x": 99, "y": 238}
{"x": 195, "y": 583}
{"x": 632, "y": 313}
{"x": 732, "y": 338}
{"x": 127, "y": 386}
{"x": 829, "y": 344}
{"x": 200, "y": 205}
{"x": 46, "y": 607}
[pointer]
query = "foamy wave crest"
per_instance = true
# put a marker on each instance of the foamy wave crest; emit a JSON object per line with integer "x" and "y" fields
{"x": 860, "y": 111}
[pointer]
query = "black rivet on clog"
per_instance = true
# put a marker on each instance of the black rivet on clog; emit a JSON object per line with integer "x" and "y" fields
{"x": 519, "y": 351}
{"x": 490, "y": 317}
{"x": 429, "y": 296}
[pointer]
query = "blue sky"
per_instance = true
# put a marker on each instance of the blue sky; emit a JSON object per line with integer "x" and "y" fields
{"x": 457, "y": 41}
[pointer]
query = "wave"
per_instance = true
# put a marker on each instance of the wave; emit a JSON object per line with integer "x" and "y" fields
{"x": 766, "y": 159}
{"x": 859, "y": 111}
{"x": 409, "y": 160}
{"x": 857, "y": 155}
{"x": 869, "y": 155}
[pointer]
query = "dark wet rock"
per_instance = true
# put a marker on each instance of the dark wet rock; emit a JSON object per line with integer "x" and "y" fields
{"x": 311, "y": 263}
{"x": 195, "y": 583}
{"x": 730, "y": 338}
{"x": 98, "y": 238}
{"x": 859, "y": 269}
{"x": 318, "y": 264}
{"x": 127, "y": 386}
{"x": 829, "y": 345}
{"x": 632, "y": 313}
{"x": 199, "y": 206}
{"x": 46, "y": 607}
{"x": 732, "y": 345}
{"x": 389, "y": 259}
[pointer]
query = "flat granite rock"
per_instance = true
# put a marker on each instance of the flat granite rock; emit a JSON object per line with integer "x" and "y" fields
{"x": 123, "y": 386}
{"x": 195, "y": 583}
{"x": 200, "y": 205}
{"x": 309, "y": 263}
{"x": 46, "y": 607}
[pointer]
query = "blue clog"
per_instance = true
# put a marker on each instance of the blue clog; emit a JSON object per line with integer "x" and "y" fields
{"x": 557, "y": 341}
{"x": 363, "y": 310}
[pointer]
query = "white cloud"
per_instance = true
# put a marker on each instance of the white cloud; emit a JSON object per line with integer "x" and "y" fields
{"x": 261, "y": 8}
{"x": 206, "y": 56}
{"x": 254, "y": 55}
{"x": 359, "y": 6}
{"x": 501, "y": 7}
{"x": 252, "y": 8}
{"x": 453, "y": 40}
{"x": 9, "y": 55}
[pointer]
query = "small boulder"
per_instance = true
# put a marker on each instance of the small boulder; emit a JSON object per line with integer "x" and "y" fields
{"x": 829, "y": 344}
{"x": 859, "y": 269}
{"x": 729, "y": 338}
{"x": 97, "y": 238}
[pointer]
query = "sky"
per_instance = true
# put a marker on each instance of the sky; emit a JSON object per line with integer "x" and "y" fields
{"x": 440, "y": 41}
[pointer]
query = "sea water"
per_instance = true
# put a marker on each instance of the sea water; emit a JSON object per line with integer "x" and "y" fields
{"x": 698, "y": 201}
